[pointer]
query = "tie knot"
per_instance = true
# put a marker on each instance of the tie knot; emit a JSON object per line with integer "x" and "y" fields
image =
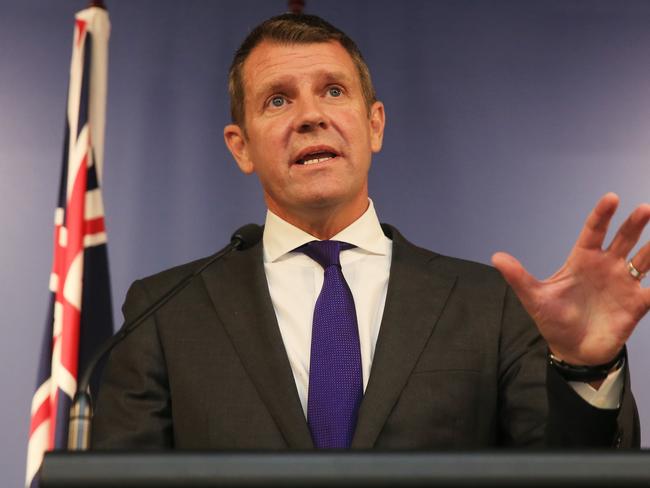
{"x": 325, "y": 253}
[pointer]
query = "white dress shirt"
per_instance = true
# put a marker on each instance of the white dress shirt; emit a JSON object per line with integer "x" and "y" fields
{"x": 295, "y": 281}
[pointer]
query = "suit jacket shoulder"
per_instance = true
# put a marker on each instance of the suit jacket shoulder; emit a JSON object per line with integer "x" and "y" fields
{"x": 206, "y": 371}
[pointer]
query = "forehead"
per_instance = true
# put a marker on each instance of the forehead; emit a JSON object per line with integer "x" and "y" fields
{"x": 271, "y": 60}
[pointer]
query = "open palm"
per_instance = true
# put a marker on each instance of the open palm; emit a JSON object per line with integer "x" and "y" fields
{"x": 588, "y": 308}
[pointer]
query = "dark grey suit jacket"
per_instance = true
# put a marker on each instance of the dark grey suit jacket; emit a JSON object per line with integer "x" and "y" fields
{"x": 458, "y": 365}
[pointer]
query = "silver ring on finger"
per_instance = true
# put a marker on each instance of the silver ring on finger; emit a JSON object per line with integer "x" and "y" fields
{"x": 635, "y": 273}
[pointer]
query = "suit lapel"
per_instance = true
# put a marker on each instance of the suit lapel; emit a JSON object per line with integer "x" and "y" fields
{"x": 238, "y": 288}
{"x": 415, "y": 299}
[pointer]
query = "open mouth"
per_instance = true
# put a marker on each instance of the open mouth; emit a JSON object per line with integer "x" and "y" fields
{"x": 316, "y": 157}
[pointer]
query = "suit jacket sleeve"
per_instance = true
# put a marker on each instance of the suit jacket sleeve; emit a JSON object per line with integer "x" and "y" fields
{"x": 575, "y": 423}
{"x": 571, "y": 421}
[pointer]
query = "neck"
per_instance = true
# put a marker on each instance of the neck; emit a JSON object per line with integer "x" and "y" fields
{"x": 323, "y": 223}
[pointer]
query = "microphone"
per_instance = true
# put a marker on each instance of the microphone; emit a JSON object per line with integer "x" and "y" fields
{"x": 81, "y": 410}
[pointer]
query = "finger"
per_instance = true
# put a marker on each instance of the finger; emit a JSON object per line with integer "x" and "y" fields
{"x": 641, "y": 260}
{"x": 595, "y": 228}
{"x": 521, "y": 281}
{"x": 628, "y": 234}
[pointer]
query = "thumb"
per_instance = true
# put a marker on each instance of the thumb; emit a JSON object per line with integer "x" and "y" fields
{"x": 522, "y": 282}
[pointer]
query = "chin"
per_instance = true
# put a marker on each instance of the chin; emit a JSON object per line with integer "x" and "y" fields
{"x": 323, "y": 200}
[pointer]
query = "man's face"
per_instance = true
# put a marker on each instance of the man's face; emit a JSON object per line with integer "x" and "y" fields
{"x": 309, "y": 135}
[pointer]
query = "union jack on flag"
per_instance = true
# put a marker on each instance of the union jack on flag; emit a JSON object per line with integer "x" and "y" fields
{"x": 80, "y": 311}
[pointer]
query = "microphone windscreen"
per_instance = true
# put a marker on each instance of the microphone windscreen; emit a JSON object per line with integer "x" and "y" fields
{"x": 247, "y": 235}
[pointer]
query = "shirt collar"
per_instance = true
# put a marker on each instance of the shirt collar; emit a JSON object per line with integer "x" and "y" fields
{"x": 281, "y": 237}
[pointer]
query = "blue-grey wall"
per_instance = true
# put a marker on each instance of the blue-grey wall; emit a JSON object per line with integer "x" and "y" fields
{"x": 507, "y": 119}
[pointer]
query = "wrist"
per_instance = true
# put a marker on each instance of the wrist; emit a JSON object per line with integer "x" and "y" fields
{"x": 585, "y": 373}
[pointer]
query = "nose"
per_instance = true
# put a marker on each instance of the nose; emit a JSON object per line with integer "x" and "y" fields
{"x": 310, "y": 115}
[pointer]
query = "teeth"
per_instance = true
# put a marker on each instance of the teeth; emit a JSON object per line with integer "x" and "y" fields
{"x": 317, "y": 160}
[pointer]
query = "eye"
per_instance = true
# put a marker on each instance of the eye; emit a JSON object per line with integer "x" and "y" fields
{"x": 335, "y": 91}
{"x": 277, "y": 101}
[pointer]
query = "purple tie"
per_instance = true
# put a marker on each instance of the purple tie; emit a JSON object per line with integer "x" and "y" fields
{"x": 335, "y": 380}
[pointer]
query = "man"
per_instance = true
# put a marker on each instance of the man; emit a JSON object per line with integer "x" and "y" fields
{"x": 272, "y": 347}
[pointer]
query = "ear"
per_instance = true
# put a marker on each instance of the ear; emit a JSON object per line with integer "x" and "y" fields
{"x": 377, "y": 123}
{"x": 235, "y": 139}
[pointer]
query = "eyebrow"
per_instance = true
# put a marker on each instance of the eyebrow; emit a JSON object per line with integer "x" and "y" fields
{"x": 282, "y": 84}
{"x": 335, "y": 77}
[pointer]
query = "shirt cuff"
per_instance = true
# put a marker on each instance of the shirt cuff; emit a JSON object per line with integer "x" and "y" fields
{"x": 608, "y": 396}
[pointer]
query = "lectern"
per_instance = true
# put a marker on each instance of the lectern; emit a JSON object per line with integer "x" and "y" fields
{"x": 503, "y": 469}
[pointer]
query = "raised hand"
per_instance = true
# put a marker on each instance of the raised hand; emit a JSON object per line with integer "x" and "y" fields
{"x": 587, "y": 310}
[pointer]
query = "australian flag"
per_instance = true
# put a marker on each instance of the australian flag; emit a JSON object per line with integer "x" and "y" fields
{"x": 79, "y": 316}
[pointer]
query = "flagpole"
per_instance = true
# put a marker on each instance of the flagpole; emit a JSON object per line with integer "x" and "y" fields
{"x": 296, "y": 6}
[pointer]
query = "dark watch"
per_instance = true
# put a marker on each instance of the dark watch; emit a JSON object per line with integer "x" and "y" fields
{"x": 585, "y": 374}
